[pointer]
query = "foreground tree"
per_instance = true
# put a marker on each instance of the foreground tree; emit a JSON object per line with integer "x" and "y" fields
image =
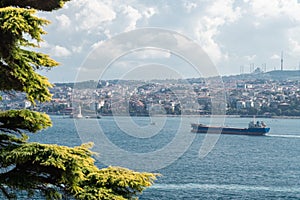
{"x": 49, "y": 170}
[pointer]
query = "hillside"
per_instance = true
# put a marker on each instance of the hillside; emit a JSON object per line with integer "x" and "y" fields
{"x": 271, "y": 75}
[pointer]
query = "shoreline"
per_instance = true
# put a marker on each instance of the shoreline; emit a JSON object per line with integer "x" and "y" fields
{"x": 201, "y": 116}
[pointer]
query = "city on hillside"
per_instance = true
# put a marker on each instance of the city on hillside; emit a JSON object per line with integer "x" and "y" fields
{"x": 276, "y": 93}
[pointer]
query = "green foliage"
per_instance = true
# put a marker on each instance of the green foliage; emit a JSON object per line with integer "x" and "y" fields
{"x": 23, "y": 120}
{"x": 53, "y": 171}
{"x": 19, "y": 27}
{"x": 59, "y": 170}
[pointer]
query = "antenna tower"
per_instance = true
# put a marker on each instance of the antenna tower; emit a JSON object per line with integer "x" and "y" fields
{"x": 281, "y": 61}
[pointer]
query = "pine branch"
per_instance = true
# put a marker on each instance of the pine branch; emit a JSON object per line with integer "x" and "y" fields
{"x": 23, "y": 120}
{"x": 17, "y": 65}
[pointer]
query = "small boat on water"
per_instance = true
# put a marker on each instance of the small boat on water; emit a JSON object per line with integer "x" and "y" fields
{"x": 256, "y": 129}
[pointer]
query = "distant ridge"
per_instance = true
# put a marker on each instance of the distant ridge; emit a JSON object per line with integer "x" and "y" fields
{"x": 285, "y": 74}
{"x": 280, "y": 75}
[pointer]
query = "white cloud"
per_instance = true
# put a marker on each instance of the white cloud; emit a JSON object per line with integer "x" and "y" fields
{"x": 76, "y": 49}
{"x": 92, "y": 14}
{"x": 205, "y": 37}
{"x": 60, "y": 51}
{"x": 276, "y": 8}
{"x": 275, "y": 57}
{"x": 107, "y": 33}
{"x": 224, "y": 9}
{"x": 97, "y": 44}
{"x": 250, "y": 58}
{"x": 63, "y": 21}
{"x": 294, "y": 41}
{"x": 216, "y": 15}
{"x": 132, "y": 15}
{"x": 294, "y": 46}
{"x": 230, "y": 31}
{"x": 257, "y": 24}
{"x": 265, "y": 8}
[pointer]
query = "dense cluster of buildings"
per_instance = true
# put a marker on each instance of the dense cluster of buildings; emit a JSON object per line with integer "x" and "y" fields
{"x": 171, "y": 97}
{"x": 266, "y": 98}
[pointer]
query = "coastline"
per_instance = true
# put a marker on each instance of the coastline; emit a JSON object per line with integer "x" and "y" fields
{"x": 203, "y": 116}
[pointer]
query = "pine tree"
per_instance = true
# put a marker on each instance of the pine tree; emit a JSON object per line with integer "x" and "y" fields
{"x": 49, "y": 170}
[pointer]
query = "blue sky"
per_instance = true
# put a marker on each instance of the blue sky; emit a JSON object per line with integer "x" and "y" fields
{"x": 233, "y": 33}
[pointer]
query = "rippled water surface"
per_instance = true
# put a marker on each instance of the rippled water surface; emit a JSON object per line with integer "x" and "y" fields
{"x": 238, "y": 167}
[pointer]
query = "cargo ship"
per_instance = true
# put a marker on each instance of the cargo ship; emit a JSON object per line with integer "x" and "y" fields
{"x": 255, "y": 129}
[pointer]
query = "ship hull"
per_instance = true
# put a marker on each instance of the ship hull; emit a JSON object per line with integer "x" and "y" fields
{"x": 199, "y": 128}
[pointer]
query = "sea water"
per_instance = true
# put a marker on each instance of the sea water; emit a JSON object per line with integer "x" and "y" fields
{"x": 237, "y": 167}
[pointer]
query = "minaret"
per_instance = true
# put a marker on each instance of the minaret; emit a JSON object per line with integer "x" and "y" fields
{"x": 281, "y": 61}
{"x": 242, "y": 69}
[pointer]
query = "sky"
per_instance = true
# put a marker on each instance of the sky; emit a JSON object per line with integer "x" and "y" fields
{"x": 236, "y": 35}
